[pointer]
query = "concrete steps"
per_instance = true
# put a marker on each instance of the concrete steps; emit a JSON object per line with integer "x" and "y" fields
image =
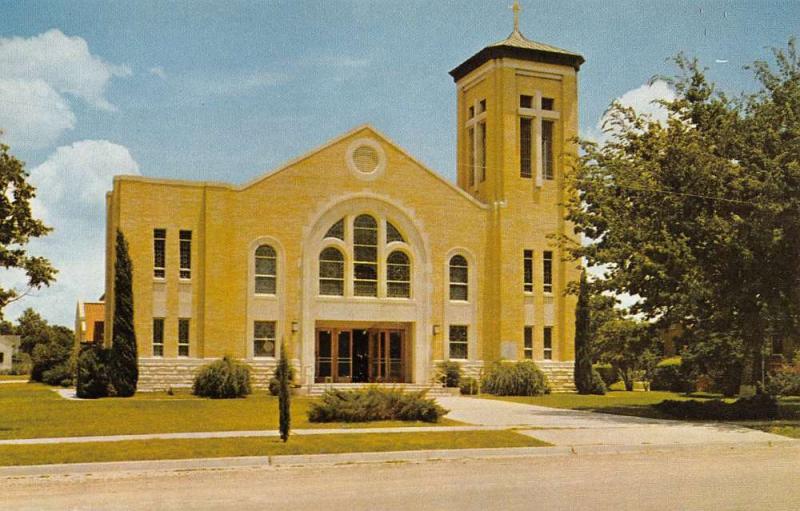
{"x": 559, "y": 374}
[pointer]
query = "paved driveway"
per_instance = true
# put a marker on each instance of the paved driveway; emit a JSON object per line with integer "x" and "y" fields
{"x": 575, "y": 427}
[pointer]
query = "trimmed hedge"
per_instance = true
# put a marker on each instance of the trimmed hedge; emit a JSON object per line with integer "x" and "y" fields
{"x": 515, "y": 379}
{"x": 760, "y": 406}
{"x": 374, "y": 404}
{"x": 449, "y": 373}
{"x": 669, "y": 375}
{"x": 222, "y": 379}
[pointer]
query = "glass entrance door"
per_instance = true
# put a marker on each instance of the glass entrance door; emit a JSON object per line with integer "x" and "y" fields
{"x": 354, "y": 356}
{"x": 334, "y": 361}
{"x": 387, "y": 356}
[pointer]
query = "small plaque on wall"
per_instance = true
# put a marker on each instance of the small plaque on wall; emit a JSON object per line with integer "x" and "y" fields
{"x": 508, "y": 350}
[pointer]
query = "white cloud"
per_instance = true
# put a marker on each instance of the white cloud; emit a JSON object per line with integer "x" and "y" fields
{"x": 158, "y": 71}
{"x": 63, "y": 62}
{"x": 32, "y": 114}
{"x": 71, "y": 186}
{"x": 644, "y": 100}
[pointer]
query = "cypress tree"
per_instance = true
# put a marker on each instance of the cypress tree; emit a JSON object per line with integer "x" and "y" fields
{"x": 284, "y": 400}
{"x": 124, "y": 373}
{"x": 583, "y": 357}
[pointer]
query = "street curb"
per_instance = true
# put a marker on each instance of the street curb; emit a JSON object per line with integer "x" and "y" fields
{"x": 303, "y": 460}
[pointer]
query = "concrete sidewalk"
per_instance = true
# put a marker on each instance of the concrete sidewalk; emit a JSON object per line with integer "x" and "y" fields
{"x": 244, "y": 434}
{"x": 581, "y": 428}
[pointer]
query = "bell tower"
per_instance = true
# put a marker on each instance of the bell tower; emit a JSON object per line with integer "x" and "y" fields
{"x": 517, "y": 113}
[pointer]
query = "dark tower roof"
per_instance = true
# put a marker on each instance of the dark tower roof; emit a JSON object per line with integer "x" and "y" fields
{"x": 517, "y": 46}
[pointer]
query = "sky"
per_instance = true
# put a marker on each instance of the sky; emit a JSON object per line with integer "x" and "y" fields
{"x": 225, "y": 91}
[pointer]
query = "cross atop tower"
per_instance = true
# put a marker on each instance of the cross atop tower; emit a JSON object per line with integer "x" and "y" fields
{"x": 516, "y": 8}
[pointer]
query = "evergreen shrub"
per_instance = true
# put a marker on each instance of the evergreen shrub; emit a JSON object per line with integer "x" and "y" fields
{"x": 669, "y": 375}
{"x": 449, "y": 373}
{"x": 374, "y": 404}
{"x": 91, "y": 378}
{"x": 222, "y": 379}
{"x": 275, "y": 382}
{"x": 758, "y": 407}
{"x": 469, "y": 386}
{"x": 515, "y": 379}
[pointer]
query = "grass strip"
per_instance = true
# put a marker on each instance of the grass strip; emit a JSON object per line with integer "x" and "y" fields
{"x": 228, "y": 447}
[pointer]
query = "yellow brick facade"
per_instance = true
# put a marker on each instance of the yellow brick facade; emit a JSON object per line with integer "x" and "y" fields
{"x": 291, "y": 209}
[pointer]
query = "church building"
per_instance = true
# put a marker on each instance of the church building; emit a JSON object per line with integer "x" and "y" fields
{"x": 365, "y": 264}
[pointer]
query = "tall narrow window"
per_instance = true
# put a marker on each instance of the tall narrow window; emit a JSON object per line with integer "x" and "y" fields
{"x": 525, "y": 146}
{"x": 398, "y": 275}
{"x": 159, "y": 253}
{"x": 528, "y": 347}
{"x": 266, "y": 270}
{"x": 331, "y": 272}
{"x": 458, "y": 341}
{"x": 158, "y": 337}
{"x": 186, "y": 254}
{"x": 547, "y": 150}
{"x": 264, "y": 339}
{"x": 548, "y": 342}
{"x": 481, "y": 151}
{"x": 99, "y": 331}
{"x": 547, "y": 271}
{"x": 365, "y": 263}
{"x": 183, "y": 337}
{"x": 527, "y": 264}
{"x": 471, "y": 155}
{"x": 459, "y": 278}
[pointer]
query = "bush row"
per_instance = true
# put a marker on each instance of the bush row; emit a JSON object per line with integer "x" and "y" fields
{"x": 760, "y": 406}
{"x": 374, "y": 404}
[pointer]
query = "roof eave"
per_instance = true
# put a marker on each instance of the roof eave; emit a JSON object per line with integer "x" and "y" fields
{"x": 496, "y": 52}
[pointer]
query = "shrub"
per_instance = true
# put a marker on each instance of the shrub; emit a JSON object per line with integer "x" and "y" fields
{"x": 91, "y": 380}
{"x": 60, "y": 375}
{"x": 469, "y": 386}
{"x": 374, "y": 404}
{"x": 596, "y": 385}
{"x": 515, "y": 379}
{"x": 760, "y": 406}
{"x": 47, "y": 357}
{"x": 124, "y": 360}
{"x": 284, "y": 397}
{"x": 785, "y": 382}
{"x": 607, "y": 373}
{"x": 275, "y": 381}
{"x": 20, "y": 363}
{"x": 669, "y": 375}
{"x": 449, "y": 373}
{"x": 222, "y": 379}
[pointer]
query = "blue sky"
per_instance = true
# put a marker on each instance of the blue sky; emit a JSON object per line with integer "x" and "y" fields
{"x": 227, "y": 90}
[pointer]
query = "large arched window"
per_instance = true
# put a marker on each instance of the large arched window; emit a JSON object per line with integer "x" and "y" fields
{"x": 459, "y": 278}
{"x": 331, "y": 272}
{"x": 365, "y": 256}
{"x": 266, "y": 270}
{"x": 398, "y": 275}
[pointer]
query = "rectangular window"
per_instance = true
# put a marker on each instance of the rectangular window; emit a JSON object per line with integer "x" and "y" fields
{"x": 525, "y": 146}
{"x": 158, "y": 337}
{"x": 547, "y": 150}
{"x": 548, "y": 103}
{"x": 471, "y": 155}
{"x": 458, "y": 341}
{"x": 548, "y": 343}
{"x": 186, "y": 254}
{"x": 183, "y": 337}
{"x": 526, "y": 101}
{"x": 2, "y": 357}
{"x": 99, "y": 331}
{"x": 159, "y": 253}
{"x": 264, "y": 339}
{"x": 471, "y": 112}
{"x": 482, "y": 106}
{"x": 547, "y": 271}
{"x": 482, "y": 151}
{"x": 528, "y": 348}
{"x": 527, "y": 261}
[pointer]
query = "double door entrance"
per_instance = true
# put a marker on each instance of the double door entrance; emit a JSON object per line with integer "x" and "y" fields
{"x": 353, "y": 355}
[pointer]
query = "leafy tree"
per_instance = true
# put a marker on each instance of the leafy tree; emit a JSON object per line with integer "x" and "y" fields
{"x": 284, "y": 396}
{"x": 50, "y": 360}
{"x": 32, "y": 329}
{"x": 124, "y": 358}
{"x": 629, "y": 346}
{"x": 17, "y": 227}
{"x": 700, "y": 215}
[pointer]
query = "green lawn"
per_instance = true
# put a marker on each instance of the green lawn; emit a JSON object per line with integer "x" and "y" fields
{"x": 23, "y": 377}
{"x": 32, "y": 410}
{"x": 224, "y": 447}
{"x": 639, "y": 404}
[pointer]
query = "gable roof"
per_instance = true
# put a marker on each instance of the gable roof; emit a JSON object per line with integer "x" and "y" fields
{"x": 377, "y": 134}
{"x": 518, "y": 46}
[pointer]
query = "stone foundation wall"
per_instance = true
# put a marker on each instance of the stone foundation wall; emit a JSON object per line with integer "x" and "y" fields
{"x": 162, "y": 373}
